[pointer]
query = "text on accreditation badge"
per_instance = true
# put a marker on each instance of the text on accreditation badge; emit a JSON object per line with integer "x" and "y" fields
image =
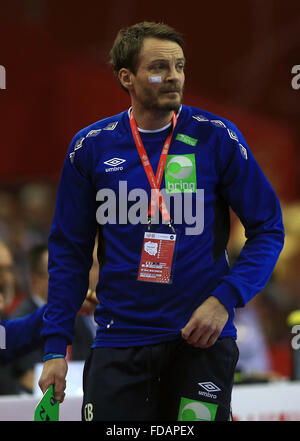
{"x": 157, "y": 257}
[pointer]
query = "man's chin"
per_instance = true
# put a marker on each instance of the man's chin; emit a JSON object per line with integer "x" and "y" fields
{"x": 170, "y": 104}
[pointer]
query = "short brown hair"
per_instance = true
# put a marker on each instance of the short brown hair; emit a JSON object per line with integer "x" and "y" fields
{"x": 128, "y": 43}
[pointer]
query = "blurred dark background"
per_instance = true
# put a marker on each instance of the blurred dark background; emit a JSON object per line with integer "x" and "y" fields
{"x": 240, "y": 57}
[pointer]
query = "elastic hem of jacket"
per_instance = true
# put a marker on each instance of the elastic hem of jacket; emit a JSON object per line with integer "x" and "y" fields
{"x": 52, "y": 357}
{"x": 106, "y": 342}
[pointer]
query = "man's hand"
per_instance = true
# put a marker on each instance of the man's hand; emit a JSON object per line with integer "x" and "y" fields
{"x": 54, "y": 372}
{"x": 206, "y": 323}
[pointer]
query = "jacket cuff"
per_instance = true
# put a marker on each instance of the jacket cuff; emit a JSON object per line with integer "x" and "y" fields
{"x": 228, "y": 296}
{"x": 56, "y": 345}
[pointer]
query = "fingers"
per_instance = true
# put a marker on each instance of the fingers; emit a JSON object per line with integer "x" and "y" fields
{"x": 200, "y": 335}
{"x": 54, "y": 372}
{"x": 187, "y": 331}
{"x": 45, "y": 383}
{"x": 206, "y": 340}
{"x": 202, "y": 340}
{"x": 59, "y": 389}
{"x": 205, "y": 324}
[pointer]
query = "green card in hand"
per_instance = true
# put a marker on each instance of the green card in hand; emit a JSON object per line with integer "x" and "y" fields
{"x": 48, "y": 408}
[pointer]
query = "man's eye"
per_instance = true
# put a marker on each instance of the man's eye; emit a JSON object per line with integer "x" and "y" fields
{"x": 158, "y": 67}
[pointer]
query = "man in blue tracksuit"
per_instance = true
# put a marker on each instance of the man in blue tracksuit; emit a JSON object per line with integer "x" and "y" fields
{"x": 20, "y": 336}
{"x": 156, "y": 183}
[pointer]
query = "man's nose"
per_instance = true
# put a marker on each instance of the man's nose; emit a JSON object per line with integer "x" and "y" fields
{"x": 173, "y": 75}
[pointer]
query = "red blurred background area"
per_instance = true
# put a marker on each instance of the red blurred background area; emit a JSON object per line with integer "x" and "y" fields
{"x": 240, "y": 57}
{"x": 239, "y": 62}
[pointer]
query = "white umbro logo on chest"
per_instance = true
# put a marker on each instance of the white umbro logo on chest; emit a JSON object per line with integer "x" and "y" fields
{"x": 114, "y": 164}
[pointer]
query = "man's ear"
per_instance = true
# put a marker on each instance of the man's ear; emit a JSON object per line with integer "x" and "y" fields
{"x": 125, "y": 78}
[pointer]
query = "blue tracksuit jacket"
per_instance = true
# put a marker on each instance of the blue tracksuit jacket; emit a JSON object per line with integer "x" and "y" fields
{"x": 208, "y": 154}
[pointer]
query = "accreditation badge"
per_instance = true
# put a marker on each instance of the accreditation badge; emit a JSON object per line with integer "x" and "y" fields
{"x": 157, "y": 258}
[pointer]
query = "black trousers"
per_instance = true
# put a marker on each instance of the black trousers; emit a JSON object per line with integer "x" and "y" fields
{"x": 161, "y": 382}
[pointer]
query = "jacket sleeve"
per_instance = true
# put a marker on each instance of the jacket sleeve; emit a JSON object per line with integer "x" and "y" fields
{"x": 21, "y": 335}
{"x": 245, "y": 188}
{"x": 71, "y": 242}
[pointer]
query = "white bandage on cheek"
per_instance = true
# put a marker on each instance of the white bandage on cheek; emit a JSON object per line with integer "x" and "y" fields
{"x": 155, "y": 79}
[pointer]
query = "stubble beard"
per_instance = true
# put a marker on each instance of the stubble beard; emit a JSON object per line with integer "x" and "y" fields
{"x": 152, "y": 103}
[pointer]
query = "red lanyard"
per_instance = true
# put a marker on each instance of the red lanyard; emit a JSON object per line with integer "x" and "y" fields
{"x": 155, "y": 181}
